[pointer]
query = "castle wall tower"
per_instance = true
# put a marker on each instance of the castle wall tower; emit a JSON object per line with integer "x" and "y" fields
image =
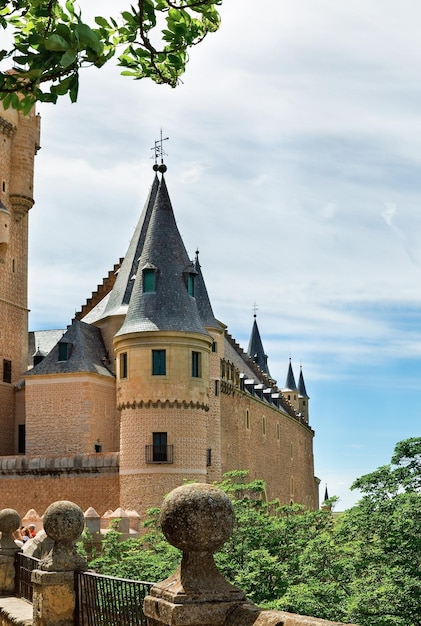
{"x": 162, "y": 354}
{"x": 19, "y": 142}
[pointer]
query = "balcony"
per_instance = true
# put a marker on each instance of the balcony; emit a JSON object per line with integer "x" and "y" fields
{"x": 159, "y": 454}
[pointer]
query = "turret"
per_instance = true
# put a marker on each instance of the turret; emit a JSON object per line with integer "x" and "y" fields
{"x": 303, "y": 397}
{"x": 255, "y": 349}
{"x": 290, "y": 390}
{"x": 19, "y": 142}
{"x": 162, "y": 351}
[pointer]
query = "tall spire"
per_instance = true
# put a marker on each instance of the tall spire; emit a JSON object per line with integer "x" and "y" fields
{"x": 161, "y": 298}
{"x": 290, "y": 381}
{"x": 255, "y": 349}
{"x": 301, "y": 385}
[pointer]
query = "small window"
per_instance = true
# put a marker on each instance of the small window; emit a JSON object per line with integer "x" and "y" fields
{"x": 3, "y": 186}
{"x": 159, "y": 447}
{"x": 7, "y": 371}
{"x": 149, "y": 280}
{"x": 196, "y": 365}
{"x": 123, "y": 365}
{"x": 216, "y": 387}
{"x": 63, "y": 351}
{"x": 247, "y": 419}
{"x": 208, "y": 457}
{"x": 263, "y": 425}
{"x": 190, "y": 284}
{"x": 13, "y": 266}
{"x": 159, "y": 367}
{"x": 21, "y": 439}
{"x": 97, "y": 448}
{"x": 214, "y": 346}
{"x": 278, "y": 431}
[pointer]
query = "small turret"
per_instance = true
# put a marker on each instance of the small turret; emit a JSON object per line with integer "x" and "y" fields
{"x": 255, "y": 349}
{"x": 303, "y": 396}
{"x": 290, "y": 390}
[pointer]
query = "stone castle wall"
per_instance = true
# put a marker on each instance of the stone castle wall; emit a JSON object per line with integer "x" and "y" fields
{"x": 70, "y": 414}
{"x": 272, "y": 445}
{"x": 34, "y": 482}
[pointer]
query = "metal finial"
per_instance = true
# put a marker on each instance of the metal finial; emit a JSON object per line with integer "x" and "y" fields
{"x": 159, "y": 153}
{"x": 255, "y": 309}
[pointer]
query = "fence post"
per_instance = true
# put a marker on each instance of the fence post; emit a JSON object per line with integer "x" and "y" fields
{"x": 197, "y": 518}
{"x": 9, "y": 522}
{"x": 54, "y": 598}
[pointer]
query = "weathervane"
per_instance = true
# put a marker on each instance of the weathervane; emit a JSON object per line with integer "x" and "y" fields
{"x": 159, "y": 153}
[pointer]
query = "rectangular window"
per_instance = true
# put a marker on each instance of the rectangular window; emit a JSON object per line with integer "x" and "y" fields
{"x": 148, "y": 281}
{"x": 7, "y": 371}
{"x": 159, "y": 447}
{"x": 123, "y": 365}
{"x": 263, "y": 425}
{"x": 216, "y": 387}
{"x": 196, "y": 365}
{"x": 278, "y": 431}
{"x": 214, "y": 347}
{"x": 190, "y": 284}
{"x": 21, "y": 439}
{"x": 208, "y": 457}
{"x": 63, "y": 351}
{"x": 159, "y": 366}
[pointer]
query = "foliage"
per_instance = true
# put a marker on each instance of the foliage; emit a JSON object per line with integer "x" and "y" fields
{"x": 52, "y": 43}
{"x": 361, "y": 566}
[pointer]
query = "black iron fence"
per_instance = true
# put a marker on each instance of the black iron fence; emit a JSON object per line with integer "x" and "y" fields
{"x": 23, "y": 568}
{"x": 108, "y": 601}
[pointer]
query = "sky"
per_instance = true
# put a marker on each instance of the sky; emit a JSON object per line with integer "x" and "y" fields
{"x": 294, "y": 162}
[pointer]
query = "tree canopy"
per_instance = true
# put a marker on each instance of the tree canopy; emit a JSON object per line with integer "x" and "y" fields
{"x": 361, "y": 566}
{"x": 51, "y": 43}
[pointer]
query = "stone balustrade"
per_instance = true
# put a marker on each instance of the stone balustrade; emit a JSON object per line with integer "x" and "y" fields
{"x": 196, "y": 518}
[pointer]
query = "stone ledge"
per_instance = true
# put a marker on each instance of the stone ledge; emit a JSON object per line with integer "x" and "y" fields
{"x": 103, "y": 462}
{"x": 15, "y": 611}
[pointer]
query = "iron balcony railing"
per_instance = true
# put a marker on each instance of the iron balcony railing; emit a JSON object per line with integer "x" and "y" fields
{"x": 159, "y": 454}
{"x": 23, "y": 567}
{"x": 108, "y": 601}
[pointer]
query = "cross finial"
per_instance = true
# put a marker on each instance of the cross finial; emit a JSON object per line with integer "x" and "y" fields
{"x": 255, "y": 309}
{"x": 159, "y": 153}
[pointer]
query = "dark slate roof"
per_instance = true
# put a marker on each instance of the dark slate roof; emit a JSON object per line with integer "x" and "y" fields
{"x": 169, "y": 307}
{"x": 301, "y": 385}
{"x": 202, "y": 299}
{"x": 290, "y": 381}
{"x": 86, "y": 354}
{"x": 256, "y": 351}
{"x": 123, "y": 286}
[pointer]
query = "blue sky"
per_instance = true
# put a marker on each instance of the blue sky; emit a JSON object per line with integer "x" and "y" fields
{"x": 294, "y": 166}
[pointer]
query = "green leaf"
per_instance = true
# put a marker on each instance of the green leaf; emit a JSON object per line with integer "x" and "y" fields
{"x": 68, "y": 58}
{"x": 56, "y": 43}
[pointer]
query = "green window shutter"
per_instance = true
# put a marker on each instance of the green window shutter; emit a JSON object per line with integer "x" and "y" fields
{"x": 159, "y": 367}
{"x": 148, "y": 281}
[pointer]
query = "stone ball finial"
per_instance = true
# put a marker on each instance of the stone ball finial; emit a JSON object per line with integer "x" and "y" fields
{"x": 64, "y": 521}
{"x": 197, "y": 518}
{"x": 9, "y": 522}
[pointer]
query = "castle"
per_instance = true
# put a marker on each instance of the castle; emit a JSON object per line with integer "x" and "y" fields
{"x": 145, "y": 388}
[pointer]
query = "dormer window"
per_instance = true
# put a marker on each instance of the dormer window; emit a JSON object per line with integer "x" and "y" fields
{"x": 190, "y": 284}
{"x": 64, "y": 351}
{"x": 149, "y": 273}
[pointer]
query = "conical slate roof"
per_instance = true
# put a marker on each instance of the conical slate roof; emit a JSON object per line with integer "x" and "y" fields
{"x": 290, "y": 381}
{"x": 120, "y": 295}
{"x": 169, "y": 306}
{"x": 202, "y": 299}
{"x": 256, "y": 351}
{"x": 301, "y": 385}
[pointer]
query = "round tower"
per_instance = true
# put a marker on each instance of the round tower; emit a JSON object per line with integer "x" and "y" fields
{"x": 162, "y": 354}
{"x": 19, "y": 142}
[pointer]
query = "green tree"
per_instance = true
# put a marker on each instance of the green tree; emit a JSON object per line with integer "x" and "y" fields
{"x": 51, "y": 43}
